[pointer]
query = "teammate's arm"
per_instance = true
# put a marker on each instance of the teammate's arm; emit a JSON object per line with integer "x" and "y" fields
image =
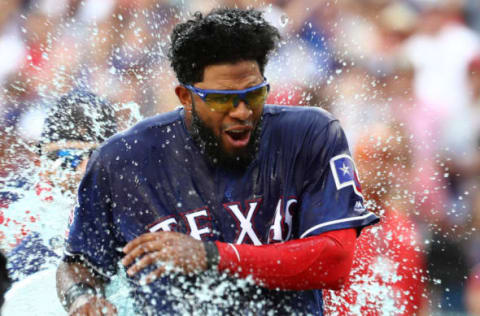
{"x": 72, "y": 276}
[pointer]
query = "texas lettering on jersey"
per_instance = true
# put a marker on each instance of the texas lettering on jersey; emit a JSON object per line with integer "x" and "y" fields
{"x": 198, "y": 221}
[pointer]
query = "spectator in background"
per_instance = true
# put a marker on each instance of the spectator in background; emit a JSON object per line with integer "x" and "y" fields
{"x": 139, "y": 58}
{"x": 473, "y": 241}
{"x": 309, "y": 32}
{"x": 388, "y": 274}
{"x": 353, "y": 101}
{"x": 52, "y": 65}
{"x": 440, "y": 51}
{"x": 472, "y": 14}
{"x": 454, "y": 242}
{"x": 472, "y": 297}
{"x": 464, "y": 144}
{"x": 422, "y": 123}
{"x": 12, "y": 48}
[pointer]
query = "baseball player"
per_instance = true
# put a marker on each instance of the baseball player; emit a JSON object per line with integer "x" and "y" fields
{"x": 224, "y": 205}
{"x": 77, "y": 123}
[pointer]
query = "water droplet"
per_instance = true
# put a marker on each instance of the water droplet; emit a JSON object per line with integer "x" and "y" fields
{"x": 283, "y": 20}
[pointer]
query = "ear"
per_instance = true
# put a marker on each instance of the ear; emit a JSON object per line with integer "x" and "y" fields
{"x": 184, "y": 96}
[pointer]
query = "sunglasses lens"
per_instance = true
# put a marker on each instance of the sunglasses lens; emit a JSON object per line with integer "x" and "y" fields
{"x": 223, "y": 102}
{"x": 220, "y": 102}
{"x": 257, "y": 97}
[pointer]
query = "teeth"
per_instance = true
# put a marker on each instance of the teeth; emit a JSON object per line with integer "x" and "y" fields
{"x": 236, "y": 131}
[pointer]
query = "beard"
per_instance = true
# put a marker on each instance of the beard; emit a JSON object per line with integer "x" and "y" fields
{"x": 212, "y": 148}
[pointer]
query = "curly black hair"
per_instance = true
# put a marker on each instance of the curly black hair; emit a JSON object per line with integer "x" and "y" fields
{"x": 222, "y": 36}
{"x": 80, "y": 116}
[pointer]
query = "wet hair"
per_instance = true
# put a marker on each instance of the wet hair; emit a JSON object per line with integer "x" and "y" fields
{"x": 80, "y": 116}
{"x": 222, "y": 36}
{"x": 5, "y": 280}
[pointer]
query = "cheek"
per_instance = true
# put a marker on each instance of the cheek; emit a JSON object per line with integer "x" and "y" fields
{"x": 217, "y": 126}
{"x": 212, "y": 119}
{"x": 257, "y": 113}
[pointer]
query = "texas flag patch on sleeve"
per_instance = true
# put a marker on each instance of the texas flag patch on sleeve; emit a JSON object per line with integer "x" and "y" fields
{"x": 345, "y": 173}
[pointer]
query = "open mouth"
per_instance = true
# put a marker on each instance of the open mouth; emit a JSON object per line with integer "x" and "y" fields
{"x": 238, "y": 137}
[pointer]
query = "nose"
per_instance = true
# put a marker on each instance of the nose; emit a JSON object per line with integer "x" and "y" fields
{"x": 241, "y": 112}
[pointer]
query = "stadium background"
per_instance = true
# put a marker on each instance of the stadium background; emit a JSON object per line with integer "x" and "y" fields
{"x": 405, "y": 72}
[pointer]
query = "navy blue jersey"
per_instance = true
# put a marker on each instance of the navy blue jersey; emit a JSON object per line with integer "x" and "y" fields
{"x": 153, "y": 177}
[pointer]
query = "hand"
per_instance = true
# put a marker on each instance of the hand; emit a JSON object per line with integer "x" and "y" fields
{"x": 186, "y": 254}
{"x": 91, "y": 305}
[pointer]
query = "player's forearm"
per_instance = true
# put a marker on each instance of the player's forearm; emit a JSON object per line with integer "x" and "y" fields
{"x": 69, "y": 274}
{"x": 317, "y": 262}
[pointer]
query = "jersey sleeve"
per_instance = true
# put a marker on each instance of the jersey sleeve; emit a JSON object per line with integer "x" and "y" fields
{"x": 332, "y": 197}
{"x": 91, "y": 236}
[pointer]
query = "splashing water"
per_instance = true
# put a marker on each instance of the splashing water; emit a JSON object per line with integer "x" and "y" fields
{"x": 283, "y": 20}
{"x": 34, "y": 221}
{"x": 45, "y": 209}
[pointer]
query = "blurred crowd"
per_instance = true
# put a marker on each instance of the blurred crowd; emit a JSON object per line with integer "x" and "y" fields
{"x": 402, "y": 76}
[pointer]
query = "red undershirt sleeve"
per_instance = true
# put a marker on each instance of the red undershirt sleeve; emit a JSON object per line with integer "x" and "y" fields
{"x": 316, "y": 262}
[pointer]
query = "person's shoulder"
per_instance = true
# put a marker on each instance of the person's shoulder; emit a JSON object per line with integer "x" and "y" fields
{"x": 145, "y": 132}
{"x": 298, "y": 116}
{"x": 157, "y": 122}
{"x": 163, "y": 121}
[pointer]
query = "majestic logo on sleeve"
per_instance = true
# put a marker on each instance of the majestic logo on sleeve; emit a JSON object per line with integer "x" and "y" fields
{"x": 345, "y": 173}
